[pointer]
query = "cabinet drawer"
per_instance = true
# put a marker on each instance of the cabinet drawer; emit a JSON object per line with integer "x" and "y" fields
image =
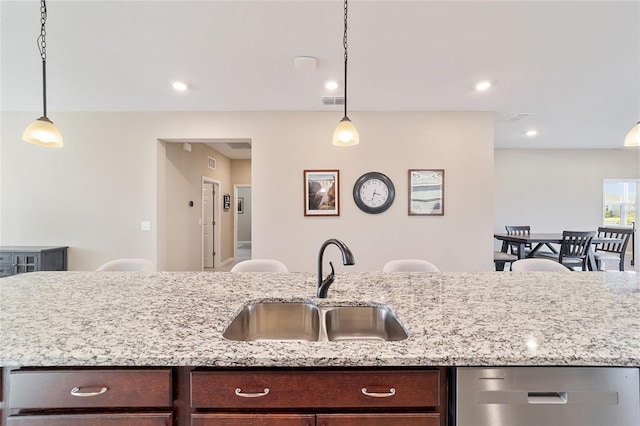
{"x": 32, "y": 389}
{"x": 261, "y": 419}
{"x": 315, "y": 389}
{"x": 379, "y": 419}
{"x": 119, "y": 419}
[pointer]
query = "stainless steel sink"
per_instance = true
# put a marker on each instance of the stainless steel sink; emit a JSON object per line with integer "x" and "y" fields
{"x": 363, "y": 322}
{"x": 275, "y": 321}
{"x": 306, "y": 321}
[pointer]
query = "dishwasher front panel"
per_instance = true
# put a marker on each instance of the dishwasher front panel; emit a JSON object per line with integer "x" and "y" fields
{"x": 547, "y": 396}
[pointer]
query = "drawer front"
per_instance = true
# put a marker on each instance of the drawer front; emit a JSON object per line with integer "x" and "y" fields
{"x": 379, "y": 419}
{"x": 32, "y": 389}
{"x": 315, "y": 389}
{"x": 261, "y": 419}
{"x": 120, "y": 419}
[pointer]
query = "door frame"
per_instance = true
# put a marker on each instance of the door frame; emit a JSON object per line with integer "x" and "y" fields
{"x": 216, "y": 219}
{"x": 235, "y": 217}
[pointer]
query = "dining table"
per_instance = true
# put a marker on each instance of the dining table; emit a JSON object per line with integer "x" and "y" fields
{"x": 540, "y": 240}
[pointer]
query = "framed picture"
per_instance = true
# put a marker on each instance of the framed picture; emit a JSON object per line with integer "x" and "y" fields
{"x": 426, "y": 192}
{"x": 240, "y": 205}
{"x": 322, "y": 193}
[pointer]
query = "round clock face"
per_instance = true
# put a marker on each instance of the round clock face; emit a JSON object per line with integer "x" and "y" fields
{"x": 373, "y": 192}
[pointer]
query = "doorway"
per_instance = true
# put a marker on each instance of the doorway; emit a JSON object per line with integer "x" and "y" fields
{"x": 242, "y": 227}
{"x": 209, "y": 219}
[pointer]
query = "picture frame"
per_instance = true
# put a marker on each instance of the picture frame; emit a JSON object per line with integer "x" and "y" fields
{"x": 240, "y": 205}
{"x": 426, "y": 192}
{"x": 321, "y": 192}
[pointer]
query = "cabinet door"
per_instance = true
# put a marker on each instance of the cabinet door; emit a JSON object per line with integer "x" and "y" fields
{"x": 254, "y": 419}
{"x": 379, "y": 419}
{"x": 26, "y": 262}
{"x": 6, "y": 264}
{"x": 115, "y": 419}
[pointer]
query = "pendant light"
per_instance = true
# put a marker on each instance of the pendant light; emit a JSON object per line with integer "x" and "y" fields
{"x": 633, "y": 137}
{"x": 346, "y": 133}
{"x": 42, "y": 131}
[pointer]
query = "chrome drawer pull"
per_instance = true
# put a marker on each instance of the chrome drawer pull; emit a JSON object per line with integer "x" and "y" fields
{"x": 252, "y": 395}
{"x": 76, "y": 392}
{"x": 391, "y": 392}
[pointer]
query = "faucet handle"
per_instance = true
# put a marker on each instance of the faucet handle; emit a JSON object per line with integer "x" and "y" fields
{"x": 333, "y": 271}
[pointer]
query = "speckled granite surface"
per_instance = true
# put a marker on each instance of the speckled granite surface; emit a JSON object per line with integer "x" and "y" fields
{"x": 177, "y": 318}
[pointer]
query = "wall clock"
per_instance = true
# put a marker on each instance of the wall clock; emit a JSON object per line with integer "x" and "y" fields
{"x": 373, "y": 192}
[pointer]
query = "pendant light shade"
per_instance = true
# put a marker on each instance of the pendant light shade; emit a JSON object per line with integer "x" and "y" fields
{"x": 42, "y": 131}
{"x": 346, "y": 133}
{"x": 633, "y": 137}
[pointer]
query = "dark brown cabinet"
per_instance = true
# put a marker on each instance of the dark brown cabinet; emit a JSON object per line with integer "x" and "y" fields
{"x": 189, "y": 396}
{"x": 333, "y": 397}
{"x": 104, "y": 397}
{"x": 21, "y": 259}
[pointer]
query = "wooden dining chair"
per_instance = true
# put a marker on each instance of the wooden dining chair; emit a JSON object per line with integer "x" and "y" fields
{"x": 518, "y": 230}
{"x": 612, "y": 251}
{"x": 574, "y": 249}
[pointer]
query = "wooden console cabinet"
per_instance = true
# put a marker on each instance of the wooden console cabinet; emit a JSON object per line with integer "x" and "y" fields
{"x": 21, "y": 259}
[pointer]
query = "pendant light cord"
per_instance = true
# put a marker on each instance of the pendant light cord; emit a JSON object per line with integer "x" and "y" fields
{"x": 344, "y": 43}
{"x": 42, "y": 46}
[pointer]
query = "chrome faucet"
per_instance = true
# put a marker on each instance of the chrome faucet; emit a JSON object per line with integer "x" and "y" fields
{"x": 347, "y": 259}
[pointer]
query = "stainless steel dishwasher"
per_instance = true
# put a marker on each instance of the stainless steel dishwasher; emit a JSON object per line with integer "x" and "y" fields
{"x": 547, "y": 396}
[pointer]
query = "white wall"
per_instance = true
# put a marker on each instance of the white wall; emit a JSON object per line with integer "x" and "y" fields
{"x": 92, "y": 194}
{"x": 555, "y": 190}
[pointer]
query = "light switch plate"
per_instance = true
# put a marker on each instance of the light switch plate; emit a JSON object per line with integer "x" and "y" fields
{"x": 145, "y": 225}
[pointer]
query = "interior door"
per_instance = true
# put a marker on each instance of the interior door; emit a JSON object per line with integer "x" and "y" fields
{"x": 207, "y": 224}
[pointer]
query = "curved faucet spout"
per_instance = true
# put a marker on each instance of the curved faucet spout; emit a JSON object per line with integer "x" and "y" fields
{"x": 347, "y": 259}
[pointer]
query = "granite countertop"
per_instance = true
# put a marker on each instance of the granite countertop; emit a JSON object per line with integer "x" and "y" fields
{"x": 453, "y": 319}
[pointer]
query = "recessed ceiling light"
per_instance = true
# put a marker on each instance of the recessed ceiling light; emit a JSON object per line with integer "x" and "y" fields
{"x": 179, "y": 86}
{"x": 531, "y": 133}
{"x": 331, "y": 85}
{"x": 483, "y": 85}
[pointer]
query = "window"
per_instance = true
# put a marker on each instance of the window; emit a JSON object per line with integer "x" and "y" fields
{"x": 619, "y": 202}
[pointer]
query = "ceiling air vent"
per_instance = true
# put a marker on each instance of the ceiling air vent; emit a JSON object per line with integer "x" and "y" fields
{"x": 239, "y": 145}
{"x": 212, "y": 163}
{"x": 333, "y": 100}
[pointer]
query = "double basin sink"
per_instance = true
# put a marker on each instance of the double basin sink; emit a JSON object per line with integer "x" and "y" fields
{"x": 307, "y": 321}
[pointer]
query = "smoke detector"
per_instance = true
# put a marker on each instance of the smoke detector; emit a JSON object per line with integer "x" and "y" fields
{"x": 305, "y": 63}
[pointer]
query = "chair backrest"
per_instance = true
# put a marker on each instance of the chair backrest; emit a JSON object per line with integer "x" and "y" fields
{"x": 623, "y": 234}
{"x": 409, "y": 265}
{"x": 532, "y": 264}
{"x": 130, "y": 264}
{"x": 518, "y": 230}
{"x": 575, "y": 244}
{"x": 260, "y": 265}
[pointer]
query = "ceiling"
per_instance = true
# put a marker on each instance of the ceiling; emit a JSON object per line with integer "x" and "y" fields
{"x": 570, "y": 70}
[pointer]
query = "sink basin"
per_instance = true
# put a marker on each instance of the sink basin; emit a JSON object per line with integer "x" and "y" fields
{"x": 275, "y": 321}
{"x": 305, "y": 321}
{"x": 363, "y": 322}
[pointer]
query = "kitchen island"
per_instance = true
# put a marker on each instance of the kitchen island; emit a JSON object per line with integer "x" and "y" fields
{"x": 167, "y": 327}
{"x": 452, "y": 319}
